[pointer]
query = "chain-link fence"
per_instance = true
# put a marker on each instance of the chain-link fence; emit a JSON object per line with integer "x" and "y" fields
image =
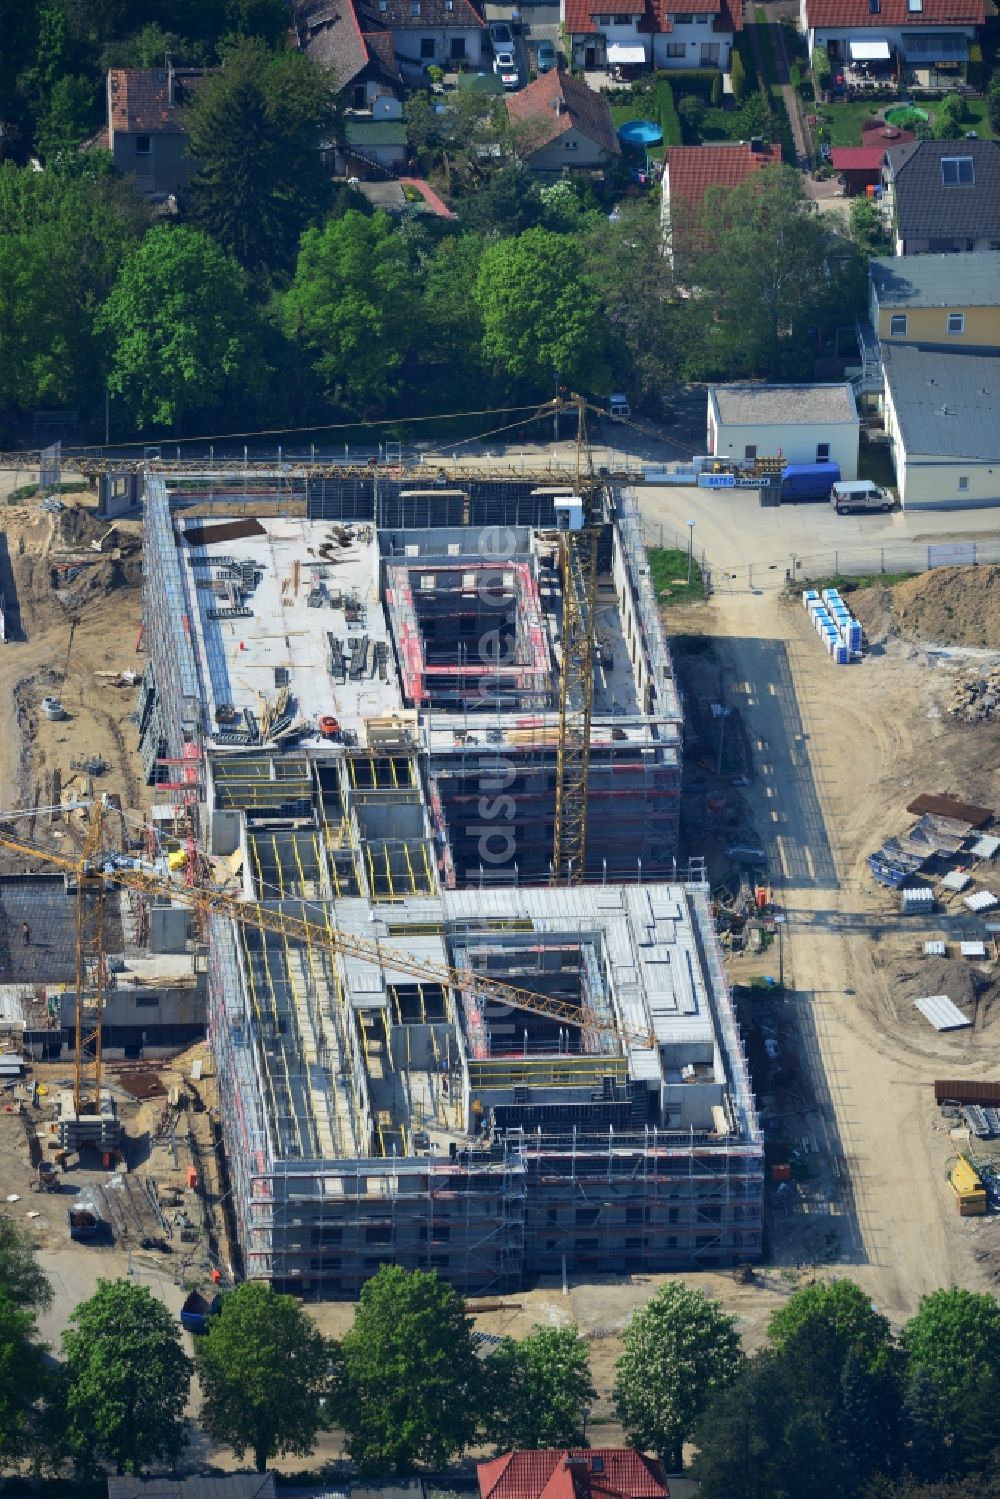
{"x": 845, "y": 562}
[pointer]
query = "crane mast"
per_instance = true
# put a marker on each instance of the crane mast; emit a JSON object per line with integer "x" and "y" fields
{"x": 578, "y": 560}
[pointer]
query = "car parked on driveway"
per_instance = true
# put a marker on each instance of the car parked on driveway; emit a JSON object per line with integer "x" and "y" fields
{"x": 501, "y": 36}
{"x": 505, "y": 67}
{"x": 545, "y": 57}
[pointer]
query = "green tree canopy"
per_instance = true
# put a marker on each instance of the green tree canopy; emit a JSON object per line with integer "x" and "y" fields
{"x": 541, "y": 314}
{"x": 757, "y": 1441}
{"x": 351, "y": 304}
{"x": 23, "y": 1381}
{"x": 128, "y": 1378}
{"x": 638, "y": 295}
{"x": 255, "y": 130}
{"x": 183, "y": 336}
{"x": 21, "y": 1276}
{"x": 763, "y": 272}
{"x": 539, "y": 1390}
{"x": 954, "y": 1336}
{"x": 265, "y": 1372}
{"x": 953, "y": 1352}
{"x": 677, "y": 1351}
{"x": 835, "y": 1317}
{"x": 410, "y": 1378}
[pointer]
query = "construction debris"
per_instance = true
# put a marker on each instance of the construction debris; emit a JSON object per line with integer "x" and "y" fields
{"x": 976, "y": 695}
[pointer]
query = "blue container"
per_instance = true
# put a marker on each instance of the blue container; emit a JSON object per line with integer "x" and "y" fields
{"x": 843, "y": 655}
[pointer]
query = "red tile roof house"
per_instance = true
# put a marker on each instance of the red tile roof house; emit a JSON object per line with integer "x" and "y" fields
{"x": 146, "y": 135}
{"x": 603, "y": 33}
{"x": 925, "y": 42}
{"x": 689, "y": 172}
{"x": 560, "y": 123}
{"x": 590, "y": 1473}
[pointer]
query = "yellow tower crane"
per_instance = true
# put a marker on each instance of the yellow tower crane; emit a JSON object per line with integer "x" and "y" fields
{"x": 578, "y": 561}
{"x": 98, "y": 868}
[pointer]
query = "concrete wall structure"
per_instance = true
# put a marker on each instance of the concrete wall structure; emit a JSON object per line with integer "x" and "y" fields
{"x": 368, "y": 1116}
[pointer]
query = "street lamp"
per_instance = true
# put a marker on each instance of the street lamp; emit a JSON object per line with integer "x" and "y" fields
{"x": 690, "y": 549}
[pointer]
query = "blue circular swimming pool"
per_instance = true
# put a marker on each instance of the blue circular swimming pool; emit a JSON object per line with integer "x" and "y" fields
{"x": 640, "y": 133}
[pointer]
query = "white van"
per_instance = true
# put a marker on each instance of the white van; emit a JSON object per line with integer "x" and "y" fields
{"x": 618, "y": 407}
{"x": 859, "y": 494}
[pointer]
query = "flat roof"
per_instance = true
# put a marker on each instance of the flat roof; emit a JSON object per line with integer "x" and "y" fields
{"x": 282, "y": 633}
{"x": 783, "y": 405}
{"x": 965, "y": 280}
{"x": 946, "y": 404}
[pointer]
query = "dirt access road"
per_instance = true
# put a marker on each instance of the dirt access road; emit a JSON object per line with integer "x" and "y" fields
{"x": 837, "y": 753}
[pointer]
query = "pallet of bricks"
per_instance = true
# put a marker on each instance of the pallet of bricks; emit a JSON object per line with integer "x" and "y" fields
{"x": 839, "y": 631}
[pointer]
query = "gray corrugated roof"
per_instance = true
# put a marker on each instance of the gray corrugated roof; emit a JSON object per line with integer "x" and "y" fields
{"x": 926, "y": 209}
{"x": 764, "y": 405}
{"x": 966, "y": 280}
{"x": 946, "y": 404}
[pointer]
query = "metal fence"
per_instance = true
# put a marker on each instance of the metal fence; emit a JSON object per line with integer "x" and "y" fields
{"x": 845, "y": 562}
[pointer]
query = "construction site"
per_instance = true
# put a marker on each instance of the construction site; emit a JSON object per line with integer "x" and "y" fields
{"x": 418, "y": 754}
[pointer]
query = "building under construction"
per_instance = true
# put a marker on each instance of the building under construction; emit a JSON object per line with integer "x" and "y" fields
{"x": 353, "y": 702}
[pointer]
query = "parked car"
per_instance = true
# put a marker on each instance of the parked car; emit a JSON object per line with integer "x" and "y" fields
{"x": 505, "y": 67}
{"x": 545, "y": 57}
{"x": 501, "y": 36}
{"x": 859, "y": 494}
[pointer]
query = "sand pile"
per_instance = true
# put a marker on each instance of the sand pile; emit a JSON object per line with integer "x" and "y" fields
{"x": 947, "y": 606}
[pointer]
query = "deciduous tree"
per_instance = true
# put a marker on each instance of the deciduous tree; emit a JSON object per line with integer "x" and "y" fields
{"x": 128, "y": 1378}
{"x": 266, "y": 1373}
{"x": 540, "y": 312}
{"x": 678, "y": 1351}
{"x": 410, "y": 1378}
{"x": 182, "y": 333}
{"x": 352, "y": 304}
{"x": 539, "y": 1390}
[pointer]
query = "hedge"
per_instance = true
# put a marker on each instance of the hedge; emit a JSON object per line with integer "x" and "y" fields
{"x": 670, "y": 122}
{"x": 690, "y": 81}
{"x": 974, "y": 70}
{"x": 738, "y": 77}
{"x": 744, "y": 47}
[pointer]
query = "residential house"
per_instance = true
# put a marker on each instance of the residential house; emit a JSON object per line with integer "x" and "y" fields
{"x": 922, "y": 43}
{"x": 605, "y": 33}
{"x": 590, "y": 1473}
{"x": 940, "y": 412}
{"x": 374, "y": 143}
{"x": 948, "y": 302}
{"x": 799, "y": 423}
{"x": 448, "y": 33}
{"x": 146, "y": 134}
{"x": 363, "y": 64}
{"x": 689, "y": 172}
{"x": 230, "y": 1486}
{"x": 944, "y": 196}
{"x": 560, "y": 123}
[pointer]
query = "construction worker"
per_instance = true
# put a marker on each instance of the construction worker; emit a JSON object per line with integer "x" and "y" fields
{"x": 26, "y": 934}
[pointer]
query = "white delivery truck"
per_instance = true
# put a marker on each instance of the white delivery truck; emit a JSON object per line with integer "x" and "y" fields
{"x": 859, "y": 494}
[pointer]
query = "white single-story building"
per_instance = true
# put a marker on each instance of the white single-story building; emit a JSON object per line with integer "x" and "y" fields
{"x": 940, "y": 413}
{"x": 799, "y": 423}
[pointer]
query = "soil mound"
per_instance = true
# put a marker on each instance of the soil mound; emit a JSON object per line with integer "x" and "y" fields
{"x": 949, "y": 606}
{"x": 965, "y": 985}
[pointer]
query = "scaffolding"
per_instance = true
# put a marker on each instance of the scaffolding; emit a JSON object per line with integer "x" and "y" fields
{"x": 372, "y": 1117}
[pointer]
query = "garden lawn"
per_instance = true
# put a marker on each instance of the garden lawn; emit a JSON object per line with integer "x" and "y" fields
{"x": 844, "y": 120}
{"x": 643, "y": 107}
